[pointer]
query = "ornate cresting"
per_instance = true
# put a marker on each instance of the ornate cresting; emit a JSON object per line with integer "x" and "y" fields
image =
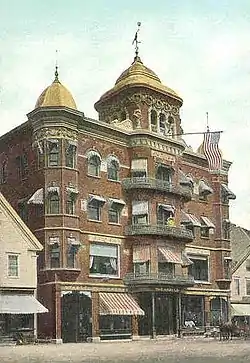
{"x": 159, "y": 278}
{"x": 161, "y": 230}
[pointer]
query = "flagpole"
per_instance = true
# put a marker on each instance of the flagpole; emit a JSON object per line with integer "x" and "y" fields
{"x": 207, "y": 122}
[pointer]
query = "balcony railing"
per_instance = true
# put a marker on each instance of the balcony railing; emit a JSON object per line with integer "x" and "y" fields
{"x": 159, "y": 278}
{"x": 158, "y": 229}
{"x": 157, "y": 184}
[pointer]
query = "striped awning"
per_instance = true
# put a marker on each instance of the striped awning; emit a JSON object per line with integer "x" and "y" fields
{"x": 188, "y": 218}
{"x": 141, "y": 254}
{"x": 169, "y": 255}
{"x": 118, "y": 304}
{"x": 207, "y": 222}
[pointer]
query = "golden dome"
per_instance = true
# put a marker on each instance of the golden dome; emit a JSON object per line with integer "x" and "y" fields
{"x": 56, "y": 95}
{"x": 139, "y": 75}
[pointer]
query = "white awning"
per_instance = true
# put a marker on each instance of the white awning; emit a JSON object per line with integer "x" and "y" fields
{"x": 167, "y": 207}
{"x": 117, "y": 202}
{"x": 73, "y": 241}
{"x": 183, "y": 179}
{"x": 207, "y": 222}
{"x": 97, "y": 198}
{"x": 204, "y": 188}
{"x": 228, "y": 192}
{"x": 71, "y": 190}
{"x": 139, "y": 164}
{"x": 20, "y": 304}
{"x": 240, "y": 309}
{"x": 188, "y": 218}
{"x": 37, "y": 197}
{"x": 139, "y": 207}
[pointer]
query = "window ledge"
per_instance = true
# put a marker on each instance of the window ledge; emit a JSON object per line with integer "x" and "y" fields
{"x": 71, "y": 215}
{"x": 114, "y": 224}
{"x": 204, "y": 237}
{"x": 94, "y": 176}
{"x": 202, "y": 282}
{"x": 104, "y": 277}
{"x": 115, "y": 181}
{"x": 61, "y": 269}
{"x": 93, "y": 220}
{"x": 13, "y": 277}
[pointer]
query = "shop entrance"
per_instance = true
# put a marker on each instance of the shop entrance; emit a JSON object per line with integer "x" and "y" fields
{"x": 76, "y": 317}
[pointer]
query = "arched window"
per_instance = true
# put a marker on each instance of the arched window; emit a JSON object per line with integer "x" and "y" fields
{"x": 170, "y": 130}
{"x": 94, "y": 165}
{"x": 53, "y": 203}
{"x": 162, "y": 123}
{"x": 153, "y": 120}
{"x": 113, "y": 168}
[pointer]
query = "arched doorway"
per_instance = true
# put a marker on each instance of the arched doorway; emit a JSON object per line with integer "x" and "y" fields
{"x": 76, "y": 316}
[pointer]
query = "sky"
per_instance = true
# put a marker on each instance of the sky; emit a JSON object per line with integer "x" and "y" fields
{"x": 201, "y": 49}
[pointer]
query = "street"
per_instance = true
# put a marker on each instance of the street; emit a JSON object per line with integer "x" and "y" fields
{"x": 168, "y": 351}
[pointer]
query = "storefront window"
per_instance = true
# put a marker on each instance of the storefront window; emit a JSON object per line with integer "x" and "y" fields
{"x": 218, "y": 310}
{"x": 192, "y": 311}
{"x": 115, "y": 325}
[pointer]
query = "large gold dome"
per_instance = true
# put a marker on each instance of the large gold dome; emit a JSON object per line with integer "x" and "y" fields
{"x": 56, "y": 95}
{"x": 139, "y": 75}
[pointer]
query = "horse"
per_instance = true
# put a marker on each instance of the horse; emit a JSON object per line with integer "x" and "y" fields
{"x": 228, "y": 330}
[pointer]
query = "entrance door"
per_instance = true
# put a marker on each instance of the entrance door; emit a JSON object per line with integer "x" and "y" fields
{"x": 76, "y": 317}
{"x": 165, "y": 314}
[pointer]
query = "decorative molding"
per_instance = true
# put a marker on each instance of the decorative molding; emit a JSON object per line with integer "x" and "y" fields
{"x": 95, "y": 238}
{"x": 50, "y": 132}
{"x": 157, "y": 145}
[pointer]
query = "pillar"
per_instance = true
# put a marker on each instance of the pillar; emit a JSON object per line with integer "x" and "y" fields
{"x": 58, "y": 315}
{"x": 95, "y": 317}
{"x": 207, "y": 310}
{"x": 153, "y": 316}
{"x": 135, "y": 328}
{"x": 178, "y": 315}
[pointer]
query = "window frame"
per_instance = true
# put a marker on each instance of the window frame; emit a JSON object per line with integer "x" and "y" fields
{"x": 70, "y": 156}
{"x": 114, "y": 169}
{"x": 72, "y": 251}
{"x": 55, "y": 248}
{"x": 117, "y": 212}
{"x": 49, "y": 205}
{"x": 97, "y": 166}
{"x": 195, "y": 260}
{"x": 70, "y": 204}
{"x": 15, "y": 266}
{"x": 53, "y": 155}
{"x": 94, "y": 205}
{"x": 117, "y": 258}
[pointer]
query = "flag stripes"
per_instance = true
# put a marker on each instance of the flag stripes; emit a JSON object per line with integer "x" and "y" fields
{"x": 212, "y": 151}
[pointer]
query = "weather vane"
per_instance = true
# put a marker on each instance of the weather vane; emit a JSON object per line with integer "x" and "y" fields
{"x": 136, "y": 41}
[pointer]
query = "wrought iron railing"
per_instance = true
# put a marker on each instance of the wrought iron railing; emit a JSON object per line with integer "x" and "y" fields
{"x": 158, "y": 229}
{"x": 158, "y": 278}
{"x": 158, "y": 184}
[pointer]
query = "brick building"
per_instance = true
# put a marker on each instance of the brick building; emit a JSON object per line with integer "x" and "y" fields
{"x": 133, "y": 224}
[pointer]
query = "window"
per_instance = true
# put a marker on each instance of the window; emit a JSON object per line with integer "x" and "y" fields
{"x": 94, "y": 165}
{"x": 23, "y": 211}
{"x": 104, "y": 259}
{"x": 199, "y": 268}
{"x": 53, "y": 203}
{"x": 164, "y": 214}
{"x": 22, "y": 166}
{"x": 141, "y": 268}
{"x": 226, "y": 229}
{"x": 139, "y": 174}
{"x": 72, "y": 253}
{"x": 13, "y": 268}
{"x": 227, "y": 268}
{"x": 53, "y": 153}
{"x": 113, "y": 170}
{"x": 70, "y": 155}
{"x": 153, "y": 120}
{"x": 70, "y": 203}
{"x": 55, "y": 255}
{"x": 140, "y": 219}
{"x": 3, "y": 174}
{"x": 166, "y": 268}
{"x": 247, "y": 287}
{"x": 114, "y": 214}
{"x": 204, "y": 230}
{"x": 94, "y": 210}
{"x": 162, "y": 123}
{"x": 237, "y": 286}
{"x": 139, "y": 212}
{"x": 164, "y": 174}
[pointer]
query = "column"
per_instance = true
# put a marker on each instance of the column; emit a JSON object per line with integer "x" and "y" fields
{"x": 58, "y": 316}
{"x": 178, "y": 315}
{"x": 95, "y": 317}
{"x": 153, "y": 316}
{"x": 207, "y": 311}
{"x": 135, "y": 330}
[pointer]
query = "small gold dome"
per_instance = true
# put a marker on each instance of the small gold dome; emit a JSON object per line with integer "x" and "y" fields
{"x": 139, "y": 75}
{"x": 56, "y": 95}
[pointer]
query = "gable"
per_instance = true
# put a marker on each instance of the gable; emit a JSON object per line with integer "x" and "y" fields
{"x": 12, "y": 226}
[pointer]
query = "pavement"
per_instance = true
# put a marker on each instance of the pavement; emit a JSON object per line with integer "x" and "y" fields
{"x": 200, "y": 350}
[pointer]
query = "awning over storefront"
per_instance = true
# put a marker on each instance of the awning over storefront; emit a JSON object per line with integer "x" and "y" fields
{"x": 207, "y": 222}
{"x": 118, "y": 304}
{"x": 141, "y": 254}
{"x": 20, "y": 304}
{"x": 169, "y": 255}
{"x": 37, "y": 197}
{"x": 188, "y": 218}
{"x": 240, "y": 309}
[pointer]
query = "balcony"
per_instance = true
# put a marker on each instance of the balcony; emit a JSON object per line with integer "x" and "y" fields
{"x": 157, "y": 184}
{"x": 159, "y": 278}
{"x": 158, "y": 229}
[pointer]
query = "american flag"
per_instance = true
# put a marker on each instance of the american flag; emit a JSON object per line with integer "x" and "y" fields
{"x": 212, "y": 151}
